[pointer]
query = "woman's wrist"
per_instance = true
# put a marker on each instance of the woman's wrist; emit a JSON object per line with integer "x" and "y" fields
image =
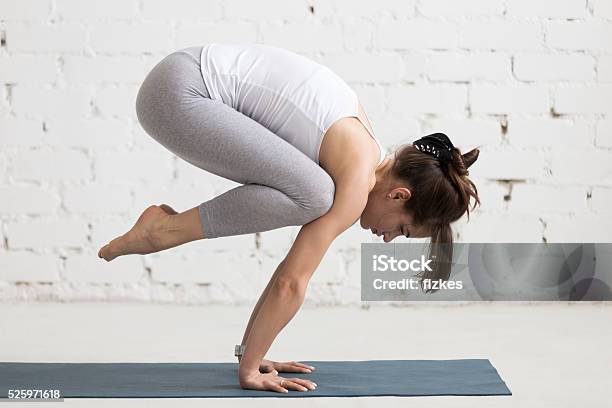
{"x": 247, "y": 372}
{"x": 247, "y": 365}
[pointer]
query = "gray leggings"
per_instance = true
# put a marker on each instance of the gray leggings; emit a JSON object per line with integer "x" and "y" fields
{"x": 281, "y": 186}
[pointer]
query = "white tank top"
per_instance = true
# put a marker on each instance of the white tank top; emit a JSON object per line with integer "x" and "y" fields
{"x": 295, "y": 97}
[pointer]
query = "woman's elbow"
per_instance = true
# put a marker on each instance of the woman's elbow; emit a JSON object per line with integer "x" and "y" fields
{"x": 290, "y": 286}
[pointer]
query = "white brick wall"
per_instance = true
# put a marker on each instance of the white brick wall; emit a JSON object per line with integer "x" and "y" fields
{"x": 528, "y": 80}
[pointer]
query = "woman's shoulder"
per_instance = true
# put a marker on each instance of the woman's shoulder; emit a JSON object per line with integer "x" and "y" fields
{"x": 348, "y": 150}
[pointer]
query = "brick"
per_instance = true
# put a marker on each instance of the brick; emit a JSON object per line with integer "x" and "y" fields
{"x": 200, "y": 10}
{"x": 36, "y": 37}
{"x": 373, "y": 99}
{"x": 20, "y": 132}
{"x": 583, "y": 99}
{"x": 603, "y": 136}
{"x": 601, "y": 200}
{"x": 502, "y": 164}
{"x": 604, "y": 68}
{"x": 546, "y": 9}
{"x": 191, "y": 34}
{"x": 453, "y": 9}
{"x": 382, "y": 8}
{"x": 465, "y": 133}
{"x": 602, "y": 8}
{"x": 88, "y": 133}
{"x": 130, "y": 167}
{"x": 579, "y": 36}
{"x": 104, "y": 229}
{"x": 3, "y": 169}
{"x": 491, "y": 196}
{"x": 397, "y": 127}
{"x": 97, "y": 199}
{"x": 279, "y": 239}
{"x": 102, "y": 68}
{"x": 56, "y": 165}
{"x": 96, "y": 9}
{"x": 581, "y": 228}
{"x": 116, "y": 101}
{"x": 31, "y": 69}
{"x": 132, "y": 38}
{"x": 227, "y": 244}
{"x": 500, "y": 35}
{"x": 358, "y": 33}
{"x": 595, "y": 166}
{"x": 549, "y": 132}
{"x": 265, "y": 9}
{"x": 538, "y": 199}
{"x": 428, "y": 98}
{"x": 548, "y": 67}
{"x": 70, "y": 144}
{"x": 239, "y": 274}
{"x": 188, "y": 267}
{"x": 366, "y": 67}
{"x": 397, "y": 8}
{"x": 47, "y": 233}
{"x": 506, "y": 99}
{"x": 418, "y": 33}
{"x": 25, "y": 266}
{"x": 142, "y": 140}
{"x": 505, "y": 227}
{"x": 451, "y": 66}
{"x": 27, "y": 199}
{"x": 414, "y": 66}
{"x": 4, "y": 106}
{"x": 349, "y": 240}
{"x": 322, "y": 37}
{"x": 25, "y": 9}
{"x": 56, "y": 103}
{"x": 330, "y": 270}
{"x": 87, "y": 267}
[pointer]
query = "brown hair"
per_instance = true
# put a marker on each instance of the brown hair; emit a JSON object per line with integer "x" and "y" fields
{"x": 439, "y": 197}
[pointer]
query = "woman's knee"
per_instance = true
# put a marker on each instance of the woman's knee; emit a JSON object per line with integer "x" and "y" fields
{"x": 321, "y": 197}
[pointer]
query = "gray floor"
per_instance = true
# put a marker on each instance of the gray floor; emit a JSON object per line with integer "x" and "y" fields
{"x": 549, "y": 354}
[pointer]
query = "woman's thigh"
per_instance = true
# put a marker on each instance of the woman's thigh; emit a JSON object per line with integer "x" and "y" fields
{"x": 173, "y": 107}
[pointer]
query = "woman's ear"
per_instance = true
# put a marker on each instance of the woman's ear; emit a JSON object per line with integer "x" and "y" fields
{"x": 401, "y": 193}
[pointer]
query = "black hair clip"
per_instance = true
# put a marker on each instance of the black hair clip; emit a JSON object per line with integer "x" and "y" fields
{"x": 437, "y": 145}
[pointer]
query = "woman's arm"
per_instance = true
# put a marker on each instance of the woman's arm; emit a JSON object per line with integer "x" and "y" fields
{"x": 286, "y": 293}
{"x": 263, "y": 295}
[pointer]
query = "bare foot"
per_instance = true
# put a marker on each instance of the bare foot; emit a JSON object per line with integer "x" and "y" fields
{"x": 141, "y": 239}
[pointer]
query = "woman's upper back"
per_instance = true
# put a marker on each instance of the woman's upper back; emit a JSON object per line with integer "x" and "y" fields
{"x": 293, "y": 96}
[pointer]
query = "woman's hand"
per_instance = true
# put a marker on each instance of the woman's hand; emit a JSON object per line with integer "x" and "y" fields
{"x": 268, "y": 366}
{"x": 255, "y": 380}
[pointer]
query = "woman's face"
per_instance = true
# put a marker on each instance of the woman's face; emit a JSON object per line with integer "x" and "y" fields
{"x": 385, "y": 216}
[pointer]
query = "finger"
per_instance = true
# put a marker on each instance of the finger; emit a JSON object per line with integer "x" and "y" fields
{"x": 289, "y": 367}
{"x": 306, "y": 383}
{"x": 271, "y": 385}
{"x": 302, "y": 365}
{"x": 290, "y": 384}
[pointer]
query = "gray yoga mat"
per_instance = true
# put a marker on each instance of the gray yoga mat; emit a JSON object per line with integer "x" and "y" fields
{"x": 219, "y": 380}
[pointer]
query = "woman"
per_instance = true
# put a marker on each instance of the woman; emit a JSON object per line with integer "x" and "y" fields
{"x": 296, "y": 138}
